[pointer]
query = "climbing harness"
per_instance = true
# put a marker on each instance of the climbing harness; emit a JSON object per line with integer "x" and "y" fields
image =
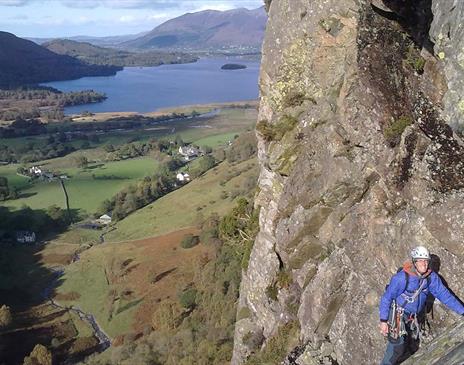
{"x": 397, "y": 322}
{"x": 396, "y": 326}
{"x": 398, "y": 318}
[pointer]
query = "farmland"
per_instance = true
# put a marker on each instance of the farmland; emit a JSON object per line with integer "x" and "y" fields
{"x": 101, "y": 179}
{"x": 149, "y": 243}
{"x": 87, "y": 188}
{"x": 141, "y": 264}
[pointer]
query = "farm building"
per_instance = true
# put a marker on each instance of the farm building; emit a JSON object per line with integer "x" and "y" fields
{"x": 183, "y": 176}
{"x": 35, "y": 170}
{"x": 25, "y": 237}
{"x": 189, "y": 152}
{"x": 105, "y": 219}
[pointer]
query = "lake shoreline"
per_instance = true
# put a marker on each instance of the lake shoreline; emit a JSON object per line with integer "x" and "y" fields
{"x": 201, "y": 108}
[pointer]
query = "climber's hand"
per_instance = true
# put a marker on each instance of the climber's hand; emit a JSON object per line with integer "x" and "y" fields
{"x": 383, "y": 328}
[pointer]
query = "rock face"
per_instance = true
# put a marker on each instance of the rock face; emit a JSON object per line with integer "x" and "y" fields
{"x": 358, "y": 165}
{"x": 447, "y": 32}
{"x": 446, "y": 349}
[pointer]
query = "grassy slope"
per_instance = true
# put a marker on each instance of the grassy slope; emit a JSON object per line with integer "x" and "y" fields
{"x": 101, "y": 278}
{"x": 180, "y": 208}
{"x": 101, "y": 272}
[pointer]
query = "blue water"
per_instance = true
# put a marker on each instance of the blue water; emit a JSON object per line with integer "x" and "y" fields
{"x": 144, "y": 89}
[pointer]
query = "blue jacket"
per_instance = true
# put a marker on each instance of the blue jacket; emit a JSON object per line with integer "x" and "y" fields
{"x": 432, "y": 285}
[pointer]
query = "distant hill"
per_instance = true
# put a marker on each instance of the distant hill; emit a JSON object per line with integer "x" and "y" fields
{"x": 109, "y": 56}
{"x": 24, "y": 62}
{"x": 240, "y": 29}
{"x": 108, "y": 41}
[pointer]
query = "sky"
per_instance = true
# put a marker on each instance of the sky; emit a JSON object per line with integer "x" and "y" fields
{"x": 66, "y": 18}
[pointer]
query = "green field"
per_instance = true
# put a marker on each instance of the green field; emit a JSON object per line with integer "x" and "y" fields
{"x": 85, "y": 192}
{"x": 216, "y": 140}
{"x": 182, "y": 207}
{"x": 14, "y": 180}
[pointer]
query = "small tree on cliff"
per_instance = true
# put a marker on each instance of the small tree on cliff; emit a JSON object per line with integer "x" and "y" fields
{"x": 39, "y": 356}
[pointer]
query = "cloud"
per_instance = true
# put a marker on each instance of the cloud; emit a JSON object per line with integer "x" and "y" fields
{"x": 161, "y": 4}
{"x": 13, "y": 2}
{"x": 142, "y": 19}
{"x": 19, "y": 17}
{"x": 213, "y": 6}
{"x": 81, "y": 4}
{"x": 188, "y": 5}
{"x": 121, "y": 4}
{"x": 138, "y": 4}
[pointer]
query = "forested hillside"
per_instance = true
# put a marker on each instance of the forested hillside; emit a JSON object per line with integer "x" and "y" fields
{"x": 92, "y": 54}
{"x": 24, "y": 62}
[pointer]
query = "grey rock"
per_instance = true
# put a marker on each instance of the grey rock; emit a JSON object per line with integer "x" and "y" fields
{"x": 447, "y": 32}
{"x": 342, "y": 201}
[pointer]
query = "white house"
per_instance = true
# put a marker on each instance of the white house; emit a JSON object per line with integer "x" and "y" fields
{"x": 189, "y": 152}
{"x": 25, "y": 237}
{"x": 35, "y": 170}
{"x": 105, "y": 219}
{"x": 183, "y": 176}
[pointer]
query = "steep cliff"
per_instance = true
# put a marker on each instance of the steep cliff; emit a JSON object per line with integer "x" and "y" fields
{"x": 358, "y": 164}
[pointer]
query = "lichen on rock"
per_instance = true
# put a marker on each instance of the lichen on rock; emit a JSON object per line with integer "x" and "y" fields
{"x": 369, "y": 167}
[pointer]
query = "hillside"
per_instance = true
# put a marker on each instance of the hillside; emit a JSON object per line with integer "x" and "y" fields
{"x": 108, "y": 41}
{"x": 206, "y": 30}
{"x": 92, "y": 54}
{"x": 24, "y": 62}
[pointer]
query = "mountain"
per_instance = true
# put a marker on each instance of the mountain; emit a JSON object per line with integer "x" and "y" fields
{"x": 24, "y": 62}
{"x": 92, "y": 54}
{"x": 207, "y": 30}
{"x": 107, "y": 41}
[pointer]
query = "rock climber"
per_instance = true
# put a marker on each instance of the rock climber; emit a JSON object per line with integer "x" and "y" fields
{"x": 404, "y": 298}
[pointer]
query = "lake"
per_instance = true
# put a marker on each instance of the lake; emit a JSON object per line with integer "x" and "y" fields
{"x": 145, "y": 89}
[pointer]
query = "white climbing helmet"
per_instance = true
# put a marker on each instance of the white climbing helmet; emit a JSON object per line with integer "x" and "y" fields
{"x": 420, "y": 252}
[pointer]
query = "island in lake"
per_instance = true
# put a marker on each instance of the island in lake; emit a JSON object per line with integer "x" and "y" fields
{"x": 232, "y": 66}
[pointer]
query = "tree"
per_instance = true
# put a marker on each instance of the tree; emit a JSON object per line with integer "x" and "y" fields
{"x": 57, "y": 214}
{"x": 178, "y": 141}
{"x": 207, "y": 149}
{"x": 5, "y": 316}
{"x": 206, "y": 163}
{"x": 106, "y": 206}
{"x": 82, "y": 162}
{"x": 39, "y": 356}
{"x": 109, "y": 147}
{"x": 189, "y": 241}
{"x": 62, "y": 137}
{"x": 187, "y": 298}
{"x": 4, "y": 190}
